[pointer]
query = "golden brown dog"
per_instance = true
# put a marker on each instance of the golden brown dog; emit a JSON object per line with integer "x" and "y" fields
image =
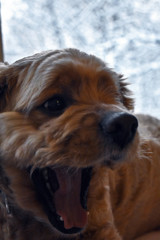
{"x": 74, "y": 161}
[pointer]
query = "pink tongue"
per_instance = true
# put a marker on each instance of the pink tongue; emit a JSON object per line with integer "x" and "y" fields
{"x": 67, "y": 199}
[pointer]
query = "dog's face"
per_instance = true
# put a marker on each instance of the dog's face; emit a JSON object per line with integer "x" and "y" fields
{"x": 63, "y": 114}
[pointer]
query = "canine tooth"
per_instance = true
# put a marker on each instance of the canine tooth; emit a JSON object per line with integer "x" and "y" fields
{"x": 61, "y": 219}
{"x": 45, "y": 174}
{"x": 48, "y": 186}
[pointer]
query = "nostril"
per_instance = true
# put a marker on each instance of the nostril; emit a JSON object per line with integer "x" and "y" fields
{"x": 134, "y": 126}
{"x": 107, "y": 125}
{"x": 119, "y": 127}
{"x": 114, "y": 128}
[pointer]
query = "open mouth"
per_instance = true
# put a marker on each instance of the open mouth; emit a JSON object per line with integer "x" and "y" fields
{"x": 63, "y": 194}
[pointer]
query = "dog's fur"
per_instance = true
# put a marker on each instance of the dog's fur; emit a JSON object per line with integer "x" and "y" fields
{"x": 124, "y": 192}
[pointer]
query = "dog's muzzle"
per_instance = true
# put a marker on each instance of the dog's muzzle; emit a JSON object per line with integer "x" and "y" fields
{"x": 62, "y": 191}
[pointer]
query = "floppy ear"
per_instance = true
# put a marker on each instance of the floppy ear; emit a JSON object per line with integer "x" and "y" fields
{"x": 126, "y": 94}
{"x": 7, "y": 81}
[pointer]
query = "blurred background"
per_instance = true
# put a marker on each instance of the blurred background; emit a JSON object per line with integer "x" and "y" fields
{"x": 125, "y": 34}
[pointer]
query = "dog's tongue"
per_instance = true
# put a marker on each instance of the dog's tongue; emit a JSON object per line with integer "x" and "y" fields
{"x": 67, "y": 199}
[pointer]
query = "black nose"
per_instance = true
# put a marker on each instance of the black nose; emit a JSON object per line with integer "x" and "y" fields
{"x": 119, "y": 128}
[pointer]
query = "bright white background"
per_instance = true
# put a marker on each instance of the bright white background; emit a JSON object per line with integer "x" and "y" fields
{"x": 125, "y": 34}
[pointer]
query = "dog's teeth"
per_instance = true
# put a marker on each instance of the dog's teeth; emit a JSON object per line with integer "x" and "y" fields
{"x": 61, "y": 219}
{"x": 49, "y": 187}
{"x": 45, "y": 175}
{"x": 46, "y": 105}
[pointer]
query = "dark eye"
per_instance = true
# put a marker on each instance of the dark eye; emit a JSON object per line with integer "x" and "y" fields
{"x": 54, "y": 105}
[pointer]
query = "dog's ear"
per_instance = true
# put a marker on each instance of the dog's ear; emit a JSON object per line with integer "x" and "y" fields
{"x": 126, "y": 94}
{"x": 7, "y": 81}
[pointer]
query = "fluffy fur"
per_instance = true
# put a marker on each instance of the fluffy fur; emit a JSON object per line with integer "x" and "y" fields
{"x": 123, "y": 201}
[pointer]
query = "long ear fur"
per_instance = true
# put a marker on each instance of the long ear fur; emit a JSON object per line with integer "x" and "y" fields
{"x": 7, "y": 81}
{"x": 126, "y": 94}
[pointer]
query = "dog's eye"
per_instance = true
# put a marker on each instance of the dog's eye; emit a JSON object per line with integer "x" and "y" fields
{"x": 54, "y": 105}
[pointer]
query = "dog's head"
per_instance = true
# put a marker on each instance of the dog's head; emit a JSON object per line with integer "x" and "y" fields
{"x": 62, "y": 114}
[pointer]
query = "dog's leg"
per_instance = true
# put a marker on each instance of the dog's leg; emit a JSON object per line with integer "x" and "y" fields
{"x": 101, "y": 223}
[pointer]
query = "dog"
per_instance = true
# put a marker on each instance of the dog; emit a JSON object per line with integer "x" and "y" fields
{"x": 75, "y": 161}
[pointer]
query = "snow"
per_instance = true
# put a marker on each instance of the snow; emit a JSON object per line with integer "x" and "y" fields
{"x": 125, "y": 34}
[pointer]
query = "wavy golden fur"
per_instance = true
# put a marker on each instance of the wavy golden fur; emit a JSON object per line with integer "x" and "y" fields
{"x": 63, "y": 112}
